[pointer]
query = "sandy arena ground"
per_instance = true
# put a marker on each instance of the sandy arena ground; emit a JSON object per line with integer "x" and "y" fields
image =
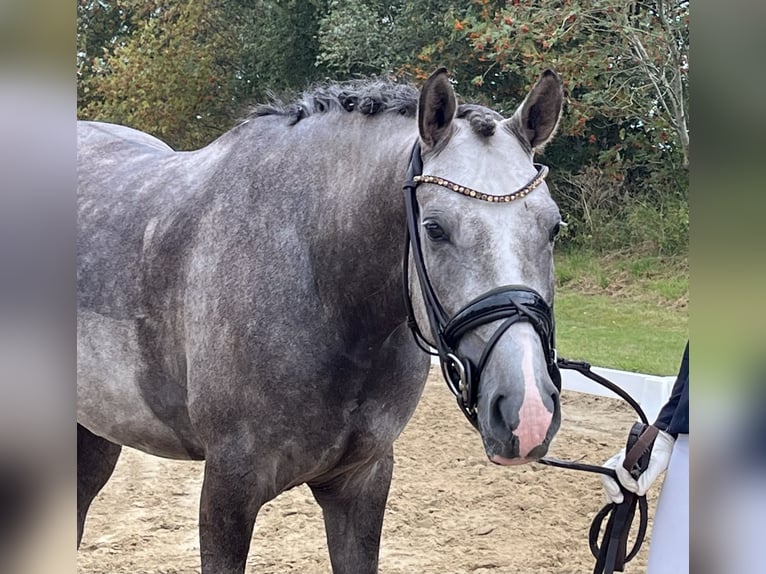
{"x": 450, "y": 511}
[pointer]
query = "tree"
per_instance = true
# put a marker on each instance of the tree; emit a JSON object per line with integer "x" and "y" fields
{"x": 171, "y": 76}
{"x": 390, "y": 38}
{"x": 100, "y": 26}
{"x": 355, "y": 37}
{"x": 660, "y": 49}
{"x": 278, "y": 42}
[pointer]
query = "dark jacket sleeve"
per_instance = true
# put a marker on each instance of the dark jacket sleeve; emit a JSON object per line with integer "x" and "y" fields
{"x": 674, "y": 416}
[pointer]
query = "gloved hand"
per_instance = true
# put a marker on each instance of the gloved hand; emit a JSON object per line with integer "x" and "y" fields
{"x": 658, "y": 462}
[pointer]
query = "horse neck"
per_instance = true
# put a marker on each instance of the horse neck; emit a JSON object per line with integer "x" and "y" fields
{"x": 358, "y": 217}
{"x": 364, "y": 170}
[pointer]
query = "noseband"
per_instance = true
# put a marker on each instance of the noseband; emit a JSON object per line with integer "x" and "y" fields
{"x": 510, "y": 304}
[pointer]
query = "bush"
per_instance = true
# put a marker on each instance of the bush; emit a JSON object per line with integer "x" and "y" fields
{"x": 605, "y": 213}
{"x": 661, "y": 229}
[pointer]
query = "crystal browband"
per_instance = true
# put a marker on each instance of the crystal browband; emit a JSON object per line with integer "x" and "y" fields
{"x": 542, "y": 171}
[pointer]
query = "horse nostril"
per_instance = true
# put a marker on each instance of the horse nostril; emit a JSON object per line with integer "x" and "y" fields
{"x": 502, "y": 413}
{"x": 494, "y": 412}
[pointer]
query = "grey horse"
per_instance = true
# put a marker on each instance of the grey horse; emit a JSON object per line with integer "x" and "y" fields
{"x": 242, "y": 303}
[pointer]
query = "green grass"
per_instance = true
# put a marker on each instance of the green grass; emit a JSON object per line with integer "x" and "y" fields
{"x": 622, "y": 312}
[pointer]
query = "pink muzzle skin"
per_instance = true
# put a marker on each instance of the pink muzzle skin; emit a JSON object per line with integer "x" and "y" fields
{"x": 534, "y": 418}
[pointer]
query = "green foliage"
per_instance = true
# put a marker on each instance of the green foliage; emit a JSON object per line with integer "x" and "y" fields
{"x": 99, "y": 26}
{"x": 660, "y": 280}
{"x": 171, "y": 77}
{"x": 354, "y": 37}
{"x": 278, "y": 43}
{"x": 605, "y": 214}
{"x": 185, "y": 70}
{"x": 379, "y": 37}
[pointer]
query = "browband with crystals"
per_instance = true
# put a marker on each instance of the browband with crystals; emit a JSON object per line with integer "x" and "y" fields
{"x": 542, "y": 171}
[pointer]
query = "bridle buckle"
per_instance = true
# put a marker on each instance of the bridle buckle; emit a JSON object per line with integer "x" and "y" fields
{"x": 461, "y": 388}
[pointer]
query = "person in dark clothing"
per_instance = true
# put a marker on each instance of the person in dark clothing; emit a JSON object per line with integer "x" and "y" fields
{"x": 674, "y": 416}
{"x": 669, "y": 550}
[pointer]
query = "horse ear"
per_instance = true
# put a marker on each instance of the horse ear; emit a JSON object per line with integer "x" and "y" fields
{"x": 436, "y": 107}
{"x": 538, "y": 115}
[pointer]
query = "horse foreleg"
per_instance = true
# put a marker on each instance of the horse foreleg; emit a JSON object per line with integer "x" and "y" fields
{"x": 229, "y": 504}
{"x": 353, "y": 505}
{"x": 96, "y": 459}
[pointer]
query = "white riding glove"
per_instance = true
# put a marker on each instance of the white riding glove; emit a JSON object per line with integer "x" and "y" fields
{"x": 658, "y": 462}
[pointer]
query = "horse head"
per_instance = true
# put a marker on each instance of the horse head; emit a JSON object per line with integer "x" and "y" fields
{"x": 482, "y": 226}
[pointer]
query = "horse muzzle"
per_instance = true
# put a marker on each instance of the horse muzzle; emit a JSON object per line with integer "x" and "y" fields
{"x": 509, "y": 305}
{"x": 518, "y": 405}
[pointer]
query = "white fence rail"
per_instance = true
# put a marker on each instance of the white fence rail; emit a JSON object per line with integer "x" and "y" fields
{"x": 649, "y": 391}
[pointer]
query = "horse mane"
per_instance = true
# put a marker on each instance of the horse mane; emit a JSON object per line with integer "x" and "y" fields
{"x": 369, "y": 97}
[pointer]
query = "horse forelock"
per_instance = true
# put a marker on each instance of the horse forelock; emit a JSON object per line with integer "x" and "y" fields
{"x": 482, "y": 120}
{"x": 367, "y": 97}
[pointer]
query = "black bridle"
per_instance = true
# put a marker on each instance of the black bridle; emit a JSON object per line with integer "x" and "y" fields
{"x": 512, "y": 304}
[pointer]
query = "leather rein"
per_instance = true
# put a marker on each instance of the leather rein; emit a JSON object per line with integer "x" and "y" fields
{"x": 512, "y": 304}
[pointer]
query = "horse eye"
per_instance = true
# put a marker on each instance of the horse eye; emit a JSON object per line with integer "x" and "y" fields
{"x": 555, "y": 231}
{"x": 435, "y": 231}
